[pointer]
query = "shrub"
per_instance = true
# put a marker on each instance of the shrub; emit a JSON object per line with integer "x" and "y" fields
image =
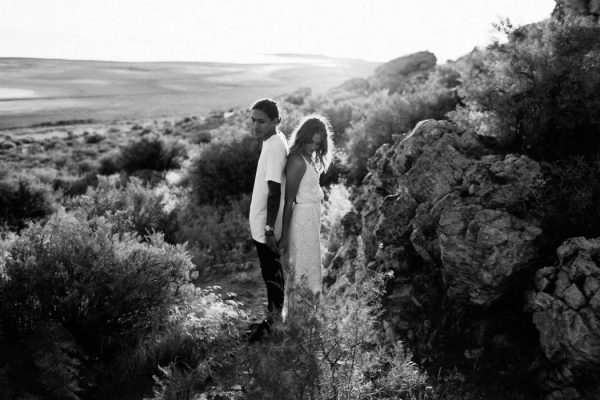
{"x": 216, "y": 234}
{"x": 200, "y": 342}
{"x": 23, "y": 200}
{"x": 108, "y": 290}
{"x": 395, "y": 114}
{"x": 150, "y": 152}
{"x": 129, "y": 206}
{"x": 537, "y": 93}
{"x": 569, "y": 201}
{"x": 224, "y": 170}
{"x": 75, "y": 185}
{"x": 332, "y": 350}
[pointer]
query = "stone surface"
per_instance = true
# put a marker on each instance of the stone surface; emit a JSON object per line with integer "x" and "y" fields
{"x": 567, "y": 317}
{"x": 481, "y": 250}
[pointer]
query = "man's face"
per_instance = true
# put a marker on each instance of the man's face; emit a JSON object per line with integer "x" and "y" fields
{"x": 262, "y": 126}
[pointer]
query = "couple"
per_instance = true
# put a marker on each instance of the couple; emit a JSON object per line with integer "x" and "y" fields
{"x": 285, "y": 212}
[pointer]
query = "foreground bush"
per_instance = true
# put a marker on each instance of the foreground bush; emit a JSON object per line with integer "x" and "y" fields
{"x": 108, "y": 290}
{"x": 23, "y": 200}
{"x": 201, "y": 342}
{"x": 333, "y": 348}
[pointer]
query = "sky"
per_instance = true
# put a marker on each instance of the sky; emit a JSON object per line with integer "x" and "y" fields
{"x": 242, "y": 30}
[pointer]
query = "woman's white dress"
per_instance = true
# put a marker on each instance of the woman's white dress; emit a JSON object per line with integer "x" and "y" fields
{"x": 304, "y": 255}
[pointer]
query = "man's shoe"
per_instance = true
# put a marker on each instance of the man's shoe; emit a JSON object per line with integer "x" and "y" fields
{"x": 258, "y": 330}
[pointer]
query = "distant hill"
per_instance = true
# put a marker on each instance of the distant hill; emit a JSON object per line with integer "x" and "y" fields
{"x": 35, "y": 91}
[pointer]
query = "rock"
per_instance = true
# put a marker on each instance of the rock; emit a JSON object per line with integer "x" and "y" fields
{"x": 406, "y": 65}
{"x": 452, "y": 220}
{"x": 482, "y": 250}
{"x": 568, "y": 319}
{"x": 358, "y": 85}
{"x": 399, "y": 73}
{"x": 395, "y": 214}
{"x": 543, "y": 276}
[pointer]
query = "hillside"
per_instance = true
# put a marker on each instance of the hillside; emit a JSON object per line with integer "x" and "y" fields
{"x": 34, "y": 91}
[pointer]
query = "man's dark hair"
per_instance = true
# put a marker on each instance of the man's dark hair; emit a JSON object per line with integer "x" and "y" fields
{"x": 267, "y": 106}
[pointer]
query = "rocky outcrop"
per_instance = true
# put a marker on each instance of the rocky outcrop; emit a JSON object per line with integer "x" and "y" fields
{"x": 566, "y": 310}
{"x": 404, "y": 72}
{"x": 395, "y": 76}
{"x": 454, "y": 223}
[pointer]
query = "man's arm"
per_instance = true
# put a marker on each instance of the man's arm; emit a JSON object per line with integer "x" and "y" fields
{"x": 273, "y": 200}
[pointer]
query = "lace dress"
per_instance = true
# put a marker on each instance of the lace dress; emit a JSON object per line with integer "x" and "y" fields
{"x": 305, "y": 229}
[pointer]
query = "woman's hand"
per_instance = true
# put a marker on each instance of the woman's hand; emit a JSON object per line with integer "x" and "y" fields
{"x": 272, "y": 244}
{"x": 283, "y": 244}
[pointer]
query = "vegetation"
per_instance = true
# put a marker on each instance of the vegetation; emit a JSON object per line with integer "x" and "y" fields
{"x": 538, "y": 91}
{"x": 23, "y": 199}
{"x": 121, "y": 263}
{"x": 149, "y": 152}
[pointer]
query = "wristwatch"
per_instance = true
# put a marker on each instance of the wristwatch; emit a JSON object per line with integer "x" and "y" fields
{"x": 269, "y": 231}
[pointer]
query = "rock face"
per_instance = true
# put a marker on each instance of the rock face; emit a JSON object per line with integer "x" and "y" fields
{"x": 566, "y": 310}
{"x": 439, "y": 194}
{"x": 395, "y": 76}
{"x": 402, "y": 72}
{"x": 457, "y": 225}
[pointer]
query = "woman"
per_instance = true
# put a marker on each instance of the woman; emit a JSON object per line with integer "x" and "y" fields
{"x": 310, "y": 155}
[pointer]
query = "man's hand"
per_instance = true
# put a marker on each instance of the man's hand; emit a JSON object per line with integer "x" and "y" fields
{"x": 272, "y": 244}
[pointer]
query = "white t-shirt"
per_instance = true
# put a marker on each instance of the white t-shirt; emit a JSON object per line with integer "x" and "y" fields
{"x": 270, "y": 167}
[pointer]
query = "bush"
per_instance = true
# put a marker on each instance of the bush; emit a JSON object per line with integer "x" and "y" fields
{"x": 108, "y": 290}
{"x": 332, "y": 349}
{"x": 224, "y": 170}
{"x": 129, "y": 206}
{"x": 23, "y": 200}
{"x": 150, "y": 152}
{"x": 537, "y": 93}
{"x": 216, "y": 234}
{"x": 395, "y": 114}
{"x": 200, "y": 342}
{"x": 569, "y": 201}
{"x": 75, "y": 185}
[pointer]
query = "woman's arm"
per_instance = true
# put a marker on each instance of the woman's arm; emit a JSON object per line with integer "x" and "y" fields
{"x": 294, "y": 171}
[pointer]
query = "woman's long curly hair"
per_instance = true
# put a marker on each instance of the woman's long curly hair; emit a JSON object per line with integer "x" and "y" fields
{"x": 304, "y": 133}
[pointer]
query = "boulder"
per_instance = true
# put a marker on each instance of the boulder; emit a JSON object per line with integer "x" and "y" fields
{"x": 482, "y": 250}
{"x": 566, "y": 311}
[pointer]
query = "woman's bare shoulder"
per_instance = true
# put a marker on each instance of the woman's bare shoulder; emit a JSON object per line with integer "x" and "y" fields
{"x": 295, "y": 159}
{"x": 295, "y": 162}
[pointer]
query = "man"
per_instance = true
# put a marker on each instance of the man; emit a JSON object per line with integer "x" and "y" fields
{"x": 267, "y": 205}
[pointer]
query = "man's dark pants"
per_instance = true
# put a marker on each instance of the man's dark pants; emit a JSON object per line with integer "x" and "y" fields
{"x": 272, "y": 273}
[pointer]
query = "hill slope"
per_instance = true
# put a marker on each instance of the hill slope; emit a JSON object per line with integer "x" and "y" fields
{"x": 34, "y": 91}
